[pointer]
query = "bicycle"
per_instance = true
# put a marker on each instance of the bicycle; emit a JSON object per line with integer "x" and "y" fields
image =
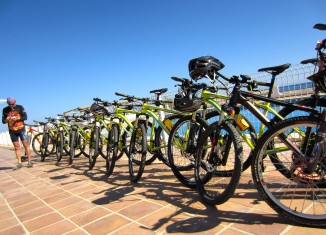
{"x": 44, "y": 142}
{"x": 104, "y": 133}
{"x": 62, "y": 140}
{"x": 150, "y": 136}
{"x": 289, "y": 170}
{"x": 182, "y": 166}
{"x": 79, "y": 136}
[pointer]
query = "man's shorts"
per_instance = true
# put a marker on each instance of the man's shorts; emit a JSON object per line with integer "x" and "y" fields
{"x": 15, "y": 136}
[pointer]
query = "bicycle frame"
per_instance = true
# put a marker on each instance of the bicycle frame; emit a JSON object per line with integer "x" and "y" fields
{"x": 149, "y": 111}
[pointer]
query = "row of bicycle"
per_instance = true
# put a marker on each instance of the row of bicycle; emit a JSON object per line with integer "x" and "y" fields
{"x": 206, "y": 141}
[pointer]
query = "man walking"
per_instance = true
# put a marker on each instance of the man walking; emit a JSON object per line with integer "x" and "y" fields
{"x": 15, "y": 115}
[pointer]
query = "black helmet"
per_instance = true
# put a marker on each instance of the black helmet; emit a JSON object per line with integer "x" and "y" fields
{"x": 97, "y": 110}
{"x": 185, "y": 104}
{"x": 319, "y": 79}
{"x": 201, "y": 66}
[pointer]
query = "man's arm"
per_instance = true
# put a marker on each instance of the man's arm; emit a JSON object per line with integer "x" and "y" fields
{"x": 23, "y": 114}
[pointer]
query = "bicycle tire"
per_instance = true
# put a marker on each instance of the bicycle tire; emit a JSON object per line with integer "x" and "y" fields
{"x": 73, "y": 146}
{"x": 44, "y": 146}
{"x": 124, "y": 142}
{"x": 217, "y": 175}
{"x": 181, "y": 156}
{"x": 94, "y": 146}
{"x": 159, "y": 138}
{"x": 154, "y": 153}
{"x": 36, "y": 144}
{"x": 79, "y": 145}
{"x": 86, "y": 140}
{"x": 104, "y": 144}
{"x": 295, "y": 197}
{"x": 137, "y": 152}
{"x": 59, "y": 148}
{"x": 112, "y": 149}
{"x": 250, "y": 131}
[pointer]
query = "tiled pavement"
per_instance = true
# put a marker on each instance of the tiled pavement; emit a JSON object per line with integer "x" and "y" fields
{"x": 50, "y": 199}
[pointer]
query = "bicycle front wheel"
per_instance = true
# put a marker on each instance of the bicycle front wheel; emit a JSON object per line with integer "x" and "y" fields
{"x": 182, "y": 147}
{"x": 281, "y": 174}
{"x": 73, "y": 145}
{"x": 112, "y": 149}
{"x": 218, "y": 163}
{"x": 94, "y": 147}
{"x": 37, "y": 144}
{"x": 137, "y": 152}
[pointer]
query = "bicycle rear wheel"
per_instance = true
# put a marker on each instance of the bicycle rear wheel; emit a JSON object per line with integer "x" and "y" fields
{"x": 218, "y": 163}
{"x": 162, "y": 138}
{"x": 137, "y": 152}
{"x": 281, "y": 175}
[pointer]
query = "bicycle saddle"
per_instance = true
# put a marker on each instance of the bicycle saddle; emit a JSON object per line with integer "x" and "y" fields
{"x": 275, "y": 70}
{"x": 159, "y": 91}
{"x": 320, "y": 26}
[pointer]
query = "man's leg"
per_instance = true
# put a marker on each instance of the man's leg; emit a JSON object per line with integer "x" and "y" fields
{"x": 27, "y": 149}
{"x": 17, "y": 152}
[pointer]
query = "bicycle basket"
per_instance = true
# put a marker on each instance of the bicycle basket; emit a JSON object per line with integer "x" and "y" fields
{"x": 185, "y": 104}
{"x": 319, "y": 79}
{"x": 97, "y": 110}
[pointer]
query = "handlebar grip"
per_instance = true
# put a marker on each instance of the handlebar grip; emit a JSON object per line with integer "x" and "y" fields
{"x": 178, "y": 79}
{"x": 223, "y": 76}
{"x": 120, "y": 94}
{"x": 263, "y": 83}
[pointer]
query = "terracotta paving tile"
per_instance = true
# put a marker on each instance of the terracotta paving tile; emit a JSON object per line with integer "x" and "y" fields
{"x": 13, "y": 230}
{"x": 47, "y": 191}
{"x": 28, "y": 207}
{"x": 90, "y": 215}
{"x": 83, "y": 188}
{"x": 70, "y": 199}
{"x": 56, "y": 197}
{"x": 43, "y": 221}
{"x": 60, "y": 227}
{"x": 15, "y": 197}
{"x": 139, "y": 210}
{"x": 28, "y": 198}
{"x": 76, "y": 208}
{"x": 116, "y": 203}
{"x": 301, "y": 230}
{"x": 133, "y": 228}
{"x": 160, "y": 219}
{"x": 230, "y": 231}
{"x": 106, "y": 224}
{"x": 65, "y": 202}
{"x": 259, "y": 221}
{"x": 8, "y": 222}
{"x": 77, "y": 231}
{"x": 5, "y": 214}
{"x": 3, "y": 205}
{"x": 29, "y": 215}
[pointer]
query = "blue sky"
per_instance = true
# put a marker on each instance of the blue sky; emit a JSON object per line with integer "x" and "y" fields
{"x": 57, "y": 55}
